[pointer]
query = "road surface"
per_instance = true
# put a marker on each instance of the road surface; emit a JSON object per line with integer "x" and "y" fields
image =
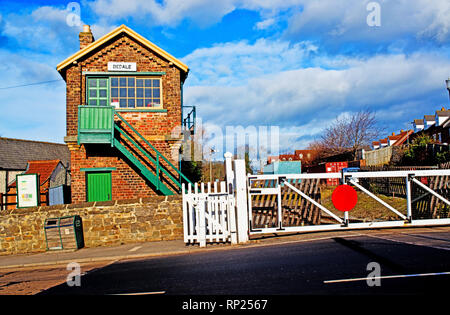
{"x": 382, "y": 262}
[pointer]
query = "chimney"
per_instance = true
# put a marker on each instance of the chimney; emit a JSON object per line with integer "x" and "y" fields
{"x": 86, "y": 36}
{"x": 393, "y": 133}
{"x": 443, "y": 109}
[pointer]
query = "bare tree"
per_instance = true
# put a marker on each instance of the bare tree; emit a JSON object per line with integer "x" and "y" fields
{"x": 348, "y": 133}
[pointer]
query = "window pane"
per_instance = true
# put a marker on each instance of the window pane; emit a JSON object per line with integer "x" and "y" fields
{"x": 155, "y": 83}
{"x": 123, "y": 92}
{"x": 148, "y": 103}
{"x": 92, "y": 102}
{"x": 102, "y": 83}
{"x": 102, "y": 102}
{"x": 156, "y": 93}
{"x": 131, "y": 92}
{"x": 131, "y": 102}
{"x": 130, "y": 81}
{"x": 123, "y": 81}
{"x": 114, "y": 92}
{"x": 102, "y": 93}
{"x": 139, "y": 102}
{"x": 156, "y": 102}
{"x": 148, "y": 82}
{"x": 148, "y": 92}
{"x": 92, "y": 93}
{"x": 92, "y": 82}
{"x": 123, "y": 102}
{"x": 139, "y": 82}
{"x": 114, "y": 82}
{"x": 140, "y": 92}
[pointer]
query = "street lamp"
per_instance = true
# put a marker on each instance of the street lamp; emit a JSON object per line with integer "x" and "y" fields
{"x": 210, "y": 159}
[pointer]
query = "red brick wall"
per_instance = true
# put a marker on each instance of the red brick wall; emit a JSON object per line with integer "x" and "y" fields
{"x": 154, "y": 126}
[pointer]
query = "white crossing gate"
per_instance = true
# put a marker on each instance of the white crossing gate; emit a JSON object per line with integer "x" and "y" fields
{"x": 208, "y": 216}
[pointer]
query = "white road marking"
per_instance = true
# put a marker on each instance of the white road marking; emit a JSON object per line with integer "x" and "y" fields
{"x": 135, "y": 248}
{"x": 142, "y": 293}
{"x": 422, "y": 243}
{"x": 390, "y": 277}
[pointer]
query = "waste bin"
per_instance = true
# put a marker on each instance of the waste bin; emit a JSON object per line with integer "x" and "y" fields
{"x": 64, "y": 233}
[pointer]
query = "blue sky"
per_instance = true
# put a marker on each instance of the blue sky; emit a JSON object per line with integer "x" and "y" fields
{"x": 296, "y": 64}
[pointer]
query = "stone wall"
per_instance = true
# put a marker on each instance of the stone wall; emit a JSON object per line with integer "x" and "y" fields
{"x": 105, "y": 223}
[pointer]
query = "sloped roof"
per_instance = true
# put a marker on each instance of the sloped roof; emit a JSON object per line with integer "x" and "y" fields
{"x": 15, "y": 153}
{"x": 116, "y": 32}
{"x": 44, "y": 168}
{"x": 418, "y": 121}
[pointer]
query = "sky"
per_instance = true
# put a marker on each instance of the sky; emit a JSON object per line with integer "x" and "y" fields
{"x": 293, "y": 64}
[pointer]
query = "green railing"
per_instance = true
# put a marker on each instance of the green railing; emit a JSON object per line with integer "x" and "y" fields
{"x": 158, "y": 156}
{"x": 95, "y": 124}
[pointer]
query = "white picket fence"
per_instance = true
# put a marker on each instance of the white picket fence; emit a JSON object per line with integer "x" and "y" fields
{"x": 208, "y": 214}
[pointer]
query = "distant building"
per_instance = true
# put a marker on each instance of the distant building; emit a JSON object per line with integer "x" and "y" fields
{"x": 15, "y": 154}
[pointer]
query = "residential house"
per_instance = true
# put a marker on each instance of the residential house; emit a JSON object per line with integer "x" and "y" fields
{"x": 15, "y": 154}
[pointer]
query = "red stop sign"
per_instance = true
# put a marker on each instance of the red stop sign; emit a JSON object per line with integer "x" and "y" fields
{"x": 344, "y": 198}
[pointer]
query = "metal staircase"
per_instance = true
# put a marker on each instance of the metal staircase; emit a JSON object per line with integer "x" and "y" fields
{"x": 96, "y": 124}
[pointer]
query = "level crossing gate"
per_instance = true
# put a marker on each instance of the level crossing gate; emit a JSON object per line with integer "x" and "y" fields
{"x": 248, "y": 205}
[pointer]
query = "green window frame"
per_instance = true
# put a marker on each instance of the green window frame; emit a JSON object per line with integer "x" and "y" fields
{"x": 97, "y": 91}
{"x": 136, "y": 92}
{"x": 139, "y": 92}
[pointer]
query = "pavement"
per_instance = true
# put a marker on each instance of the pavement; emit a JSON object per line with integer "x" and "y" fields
{"x": 178, "y": 247}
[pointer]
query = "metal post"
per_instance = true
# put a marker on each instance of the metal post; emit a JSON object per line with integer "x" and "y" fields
{"x": 280, "y": 210}
{"x": 346, "y": 219}
{"x": 408, "y": 199}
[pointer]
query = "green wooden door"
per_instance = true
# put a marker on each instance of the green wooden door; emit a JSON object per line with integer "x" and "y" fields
{"x": 98, "y": 186}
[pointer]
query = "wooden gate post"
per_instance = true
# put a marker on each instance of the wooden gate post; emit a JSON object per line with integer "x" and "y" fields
{"x": 229, "y": 172}
{"x": 241, "y": 201}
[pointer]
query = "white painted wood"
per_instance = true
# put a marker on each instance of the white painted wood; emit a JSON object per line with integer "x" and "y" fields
{"x": 242, "y": 220}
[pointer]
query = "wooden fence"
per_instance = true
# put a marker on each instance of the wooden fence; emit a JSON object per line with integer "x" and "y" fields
{"x": 9, "y": 201}
{"x": 297, "y": 211}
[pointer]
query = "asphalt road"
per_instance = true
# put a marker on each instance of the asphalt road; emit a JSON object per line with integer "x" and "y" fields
{"x": 326, "y": 266}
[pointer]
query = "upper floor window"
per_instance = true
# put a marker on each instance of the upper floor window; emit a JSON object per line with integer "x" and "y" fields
{"x": 97, "y": 92}
{"x": 125, "y": 92}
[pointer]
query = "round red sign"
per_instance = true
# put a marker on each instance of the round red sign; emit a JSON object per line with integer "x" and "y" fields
{"x": 344, "y": 198}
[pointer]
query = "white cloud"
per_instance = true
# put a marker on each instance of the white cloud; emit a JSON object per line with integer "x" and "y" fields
{"x": 233, "y": 63}
{"x": 46, "y": 29}
{"x": 301, "y": 99}
{"x": 345, "y": 20}
{"x": 265, "y": 24}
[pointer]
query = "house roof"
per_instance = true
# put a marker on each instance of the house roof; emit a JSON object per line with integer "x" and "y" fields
{"x": 15, "y": 153}
{"x": 375, "y": 142}
{"x": 385, "y": 140}
{"x": 429, "y": 117}
{"x": 443, "y": 113}
{"x": 418, "y": 121}
{"x": 116, "y": 32}
{"x": 288, "y": 156}
{"x": 403, "y": 136}
{"x": 44, "y": 168}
